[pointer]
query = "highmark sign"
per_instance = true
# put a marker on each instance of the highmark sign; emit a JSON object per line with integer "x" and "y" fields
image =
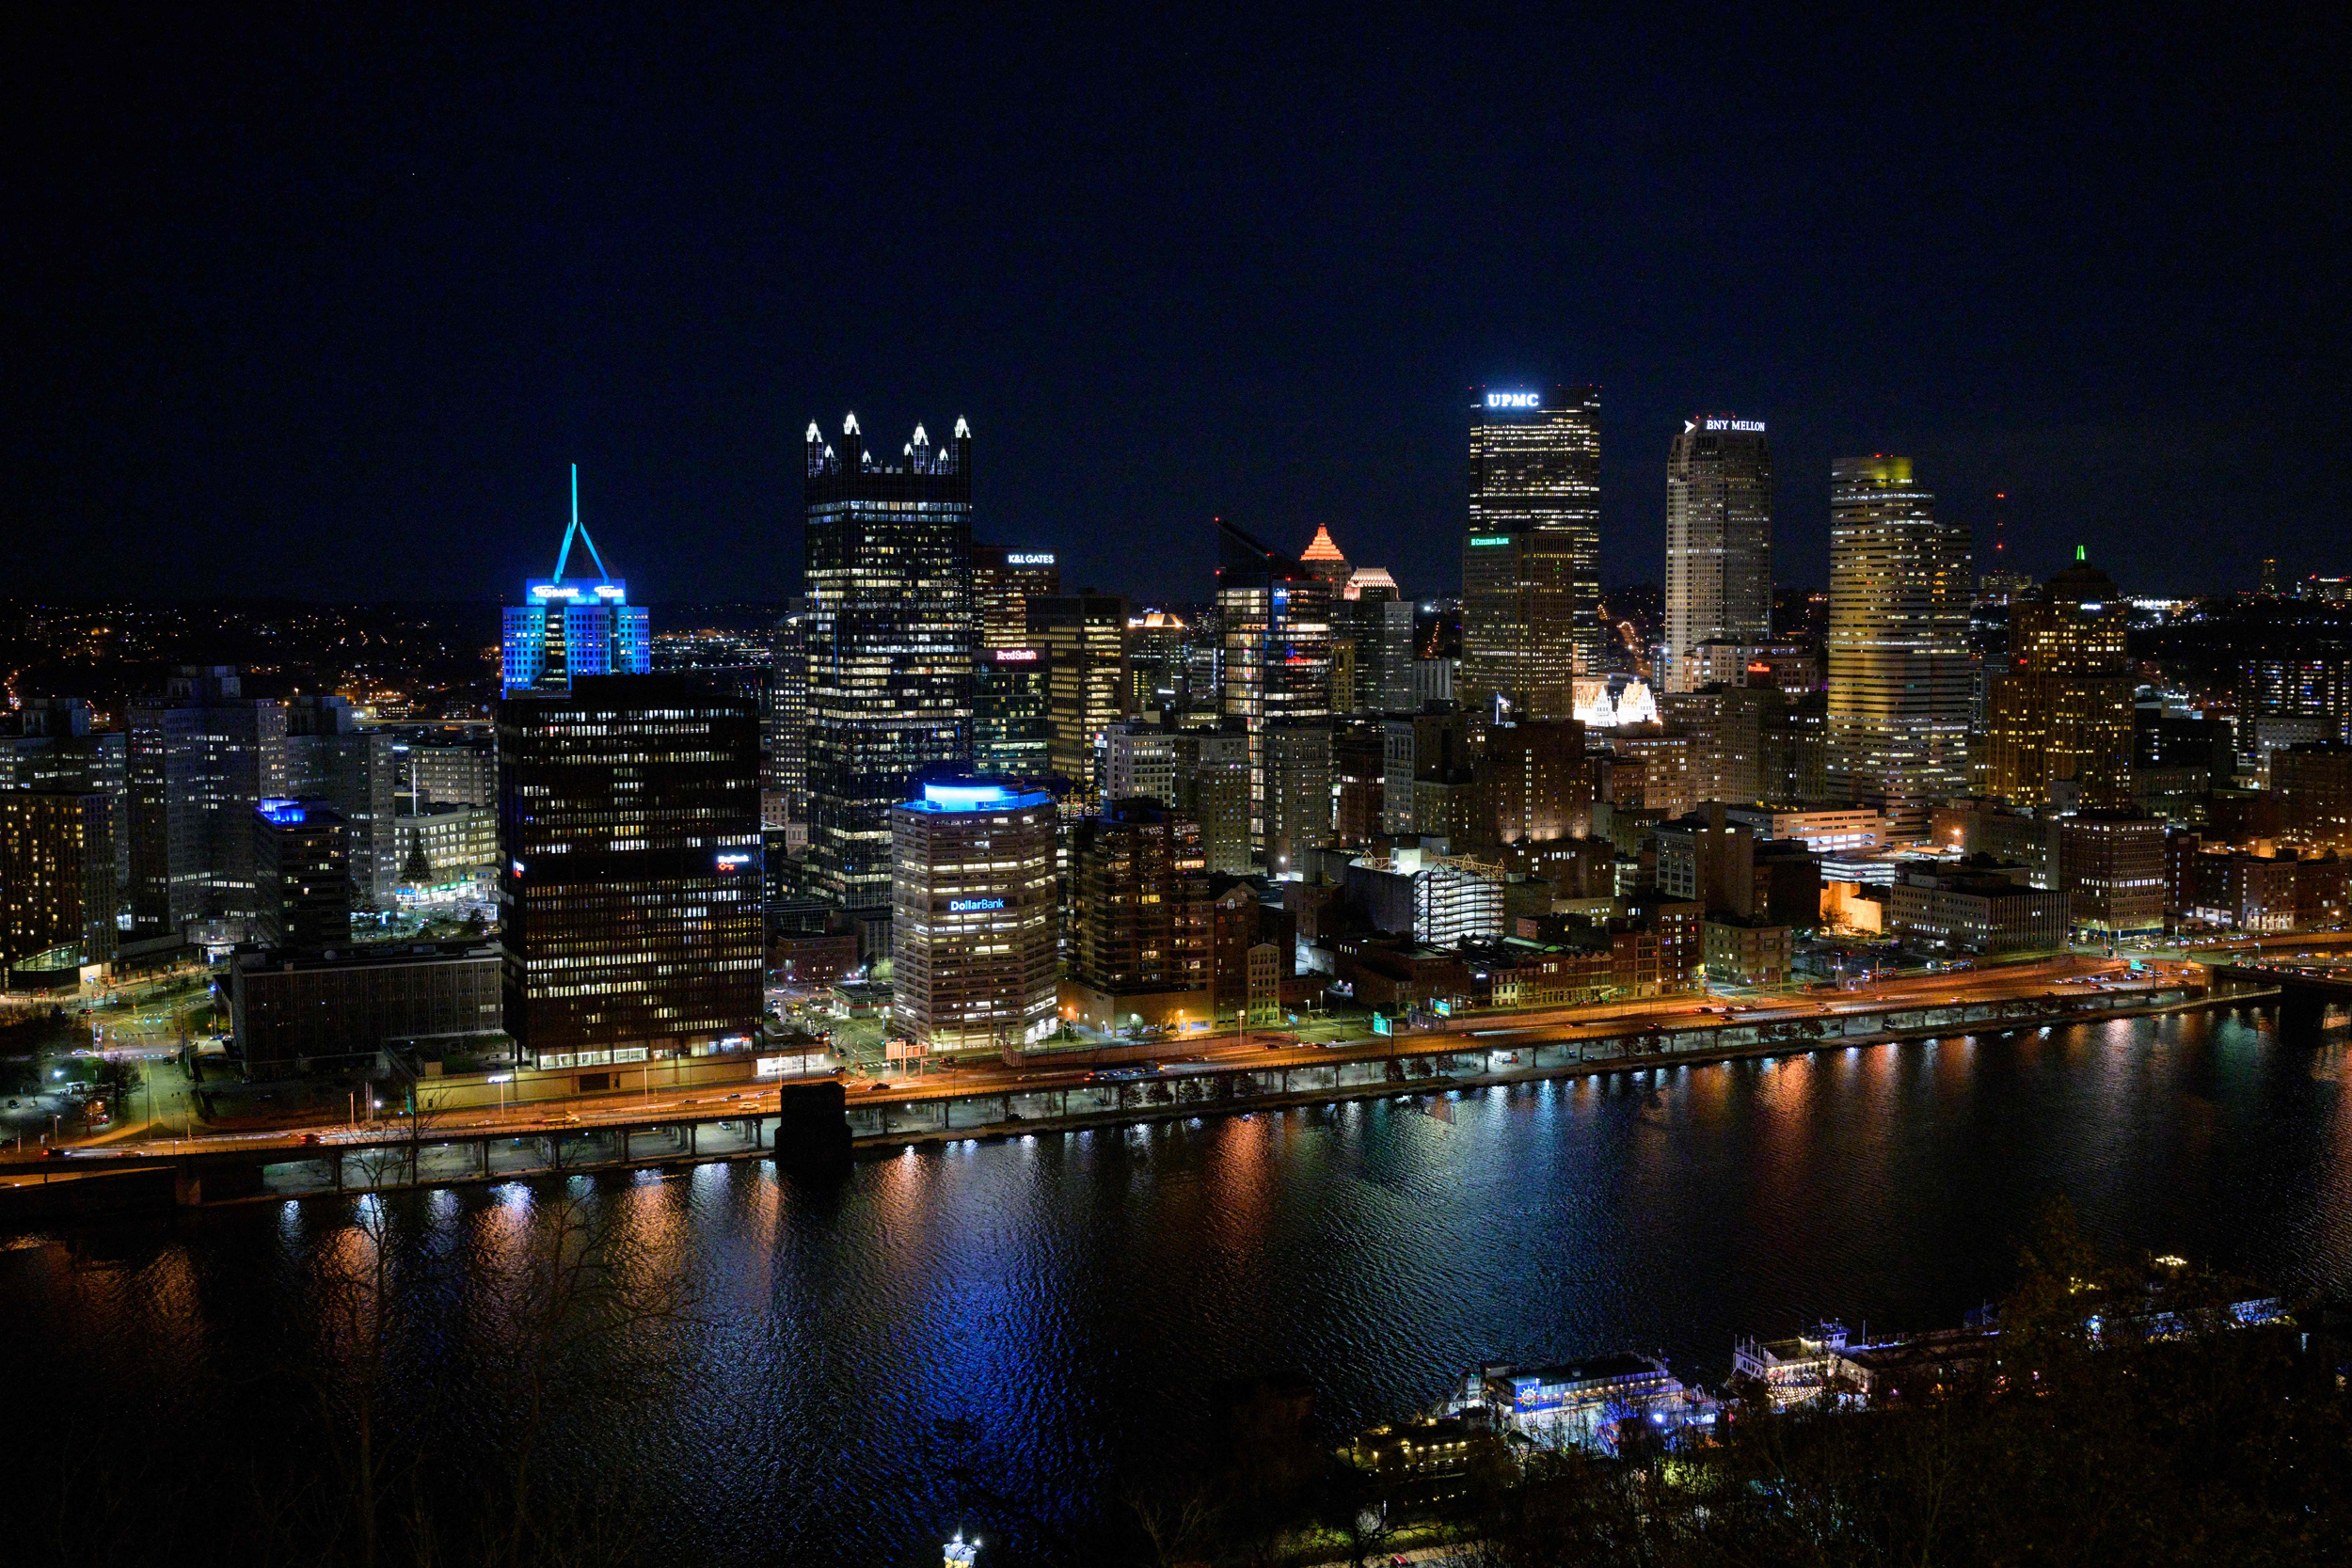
{"x": 1514, "y": 400}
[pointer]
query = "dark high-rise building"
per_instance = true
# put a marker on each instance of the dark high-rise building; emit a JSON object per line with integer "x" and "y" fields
{"x": 1719, "y": 541}
{"x": 1003, "y": 581}
{"x": 1084, "y": 638}
{"x": 202, "y": 756}
{"x": 329, "y": 758}
{"x": 567, "y": 628}
{"x": 1531, "y": 562}
{"x": 628, "y": 816}
{"x": 1899, "y": 673}
{"x": 1140, "y": 886}
{"x": 302, "y": 875}
{"x": 890, "y": 644}
{"x": 1277, "y": 616}
{"x": 56, "y": 874}
{"x": 1298, "y": 792}
{"x": 1159, "y": 665}
{"x": 1538, "y": 781}
{"x": 1012, "y": 713}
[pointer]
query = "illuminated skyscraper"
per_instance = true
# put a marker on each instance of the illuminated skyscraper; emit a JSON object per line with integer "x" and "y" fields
{"x": 1084, "y": 637}
{"x": 2058, "y": 716}
{"x": 1898, "y": 663}
{"x": 1530, "y": 563}
{"x": 577, "y": 627}
{"x": 628, "y": 814}
{"x": 1012, "y": 713}
{"x": 973, "y": 926}
{"x": 890, "y": 642}
{"x": 1003, "y": 581}
{"x": 1277, "y": 616}
{"x": 1719, "y": 541}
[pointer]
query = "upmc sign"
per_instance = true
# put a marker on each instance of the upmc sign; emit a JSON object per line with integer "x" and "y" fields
{"x": 1514, "y": 400}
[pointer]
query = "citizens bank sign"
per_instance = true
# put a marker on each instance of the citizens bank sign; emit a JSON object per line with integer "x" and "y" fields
{"x": 1514, "y": 400}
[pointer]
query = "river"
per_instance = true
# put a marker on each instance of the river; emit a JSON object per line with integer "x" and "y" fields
{"x": 998, "y": 1336}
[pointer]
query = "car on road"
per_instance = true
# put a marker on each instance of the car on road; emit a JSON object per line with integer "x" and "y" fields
{"x": 312, "y": 1140}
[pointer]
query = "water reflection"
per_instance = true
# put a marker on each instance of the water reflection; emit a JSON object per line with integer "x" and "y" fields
{"x": 987, "y": 1333}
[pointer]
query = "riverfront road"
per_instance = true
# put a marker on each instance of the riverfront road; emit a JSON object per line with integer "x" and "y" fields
{"x": 2055, "y": 977}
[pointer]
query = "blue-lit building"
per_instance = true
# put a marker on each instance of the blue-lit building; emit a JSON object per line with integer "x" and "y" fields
{"x": 975, "y": 918}
{"x": 301, "y": 875}
{"x": 568, "y": 627}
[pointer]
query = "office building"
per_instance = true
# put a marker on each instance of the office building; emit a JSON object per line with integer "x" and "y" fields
{"x": 566, "y": 629}
{"x": 890, "y": 643}
{"x": 1003, "y": 581}
{"x": 1430, "y": 745}
{"x": 1213, "y": 790}
{"x": 302, "y": 873}
{"x": 1159, "y": 665}
{"x": 202, "y": 756}
{"x": 56, "y": 748}
{"x": 1012, "y": 713}
{"x": 1084, "y": 638}
{"x": 1140, "y": 890}
{"x": 331, "y": 760}
{"x": 784, "y": 784}
{"x": 427, "y": 1000}
{"x": 1831, "y": 830}
{"x": 1530, "y": 561}
{"x": 973, "y": 932}
{"x": 1277, "y": 620}
{"x": 2058, "y": 718}
{"x": 1298, "y": 793}
{"x": 1977, "y": 908}
{"x": 630, "y": 898}
{"x": 1899, "y": 674}
{"x": 1140, "y": 761}
{"x": 2314, "y": 782}
{"x": 57, "y": 874}
{"x": 1791, "y": 667}
{"x": 1538, "y": 781}
{"x": 1719, "y": 541}
{"x": 444, "y": 848}
{"x": 454, "y": 768}
{"x": 1745, "y": 951}
{"x": 2110, "y": 864}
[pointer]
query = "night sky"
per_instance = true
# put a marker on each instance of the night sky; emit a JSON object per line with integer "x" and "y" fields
{"x": 323, "y": 306}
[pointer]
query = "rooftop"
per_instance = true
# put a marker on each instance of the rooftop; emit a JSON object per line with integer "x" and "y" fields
{"x": 975, "y": 796}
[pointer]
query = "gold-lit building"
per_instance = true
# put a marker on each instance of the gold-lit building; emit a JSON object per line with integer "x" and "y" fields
{"x": 1139, "y": 882}
{"x": 2314, "y": 782}
{"x": 56, "y": 874}
{"x": 1084, "y": 638}
{"x": 1531, "y": 562}
{"x": 2058, "y": 718}
{"x": 1899, "y": 675}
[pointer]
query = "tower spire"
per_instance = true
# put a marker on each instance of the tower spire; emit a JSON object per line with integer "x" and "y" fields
{"x": 566, "y": 553}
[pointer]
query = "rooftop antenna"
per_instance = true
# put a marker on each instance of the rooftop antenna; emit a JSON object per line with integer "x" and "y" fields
{"x": 566, "y": 553}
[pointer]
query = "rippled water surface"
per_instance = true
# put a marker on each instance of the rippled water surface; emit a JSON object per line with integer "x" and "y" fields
{"x": 987, "y": 1333}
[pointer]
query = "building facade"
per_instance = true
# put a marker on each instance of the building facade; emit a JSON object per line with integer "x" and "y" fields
{"x": 630, "y": 896}
{"x": 1012, "y": 713}
{"x": 202, "y": 756}
{"x": 1718, "y": 542}
{"x": 302, "y": 873}
{"x": 1140, "y": 889}
{"x": 2058, "y": 720}
{"x": 1084, "y": 637}
{"x": 1003, "y": 581}
{"x": 320, "y": 1009}
{"x": 56, "y": 874}
{"x": 1531, "y": 562}
{"x": 890, "y": 643}
{"x": 973, "y": 919}
{"x": 1899, "y": 674}
{"x": 1276, "y": 619}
